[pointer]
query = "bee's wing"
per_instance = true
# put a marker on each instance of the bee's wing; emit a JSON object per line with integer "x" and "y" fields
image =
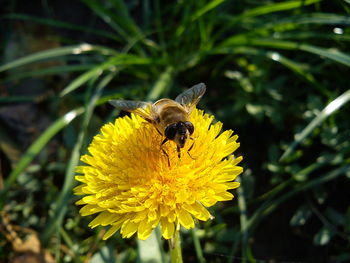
{"x": 140, "y": 108}
{"x": 191, "y": 97}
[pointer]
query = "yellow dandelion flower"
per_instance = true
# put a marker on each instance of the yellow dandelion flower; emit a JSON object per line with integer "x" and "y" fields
{"x": 128, "y": 180}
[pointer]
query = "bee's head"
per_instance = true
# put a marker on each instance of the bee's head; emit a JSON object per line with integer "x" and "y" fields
{"x": 179, "y": 132}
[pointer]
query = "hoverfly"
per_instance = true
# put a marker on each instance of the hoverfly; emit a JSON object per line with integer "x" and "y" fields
{"x": 169, "y": 117}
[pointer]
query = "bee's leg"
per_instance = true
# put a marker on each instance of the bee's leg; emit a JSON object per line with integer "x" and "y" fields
{"x": 189, "y": 149}
{"x": 164, "y": 141}
{"x": 166, "y": 156}
{"x": 178, "y": 151}
{"x": 160, "y": 134}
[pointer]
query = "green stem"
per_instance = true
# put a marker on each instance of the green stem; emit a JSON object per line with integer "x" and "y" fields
{"x": 175, "y": 248}
{"x": 244, "y": 222}
{"x": 197, "y": 246}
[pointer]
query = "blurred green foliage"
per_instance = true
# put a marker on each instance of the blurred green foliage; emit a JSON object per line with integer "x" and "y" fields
{"x": 277, "y": 73}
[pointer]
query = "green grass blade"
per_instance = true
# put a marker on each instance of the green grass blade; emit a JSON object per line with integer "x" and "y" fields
{"x": 199, "y": 13}
{"x": 106, "y": 16}
{"x": 160, "y": 29}
{"x": 298, "y": 68}
{"x": 113, "y": 64}
{"x": 263, "y": 10}
{"x": 332, "y": 54}
{"x": 293, "y": 22}
{"x": 328, "y": 53}
{"x": 294, "y": 66}
{"x": 82, "y": 79}
{"x": 328, "y": 110}
{"x": 9, "y": 147}
{"x": 272, "y": 8}
{"x": 298, "y": 22}
{"x": 312, "y": 35}
{"x": 117, "y": 18}
{"x": 116, "y": 15}
{"x": 124, "y": 19}
{"x": 56, "y": 52}
{"x": 206, "y": 8}
{"x": 69, "y": 242}
{"x": 161, "y": 84}
{"x": 243, "y": 221}
{"x": 36, "y": 147}
{"x": 321, "y": 18}
{"x": 61, "y": 24}
{"x": 61, "y": 204}
{"x": 281, "y": 26}
{"x": 49, "y": 71}
{"x": 197, "y": 246}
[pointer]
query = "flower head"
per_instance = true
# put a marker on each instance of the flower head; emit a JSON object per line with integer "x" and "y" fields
{"x": 129, "y": 182}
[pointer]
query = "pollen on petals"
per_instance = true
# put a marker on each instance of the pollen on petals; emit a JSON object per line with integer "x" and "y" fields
{"x": 129, "y": 184}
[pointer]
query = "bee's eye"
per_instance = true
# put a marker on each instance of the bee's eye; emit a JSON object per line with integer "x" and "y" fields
{"x": 170, "y": 131}
{"x": 189, "y": 126}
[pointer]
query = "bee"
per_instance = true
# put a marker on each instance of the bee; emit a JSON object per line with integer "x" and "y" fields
{"x": 169, "y": 117}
